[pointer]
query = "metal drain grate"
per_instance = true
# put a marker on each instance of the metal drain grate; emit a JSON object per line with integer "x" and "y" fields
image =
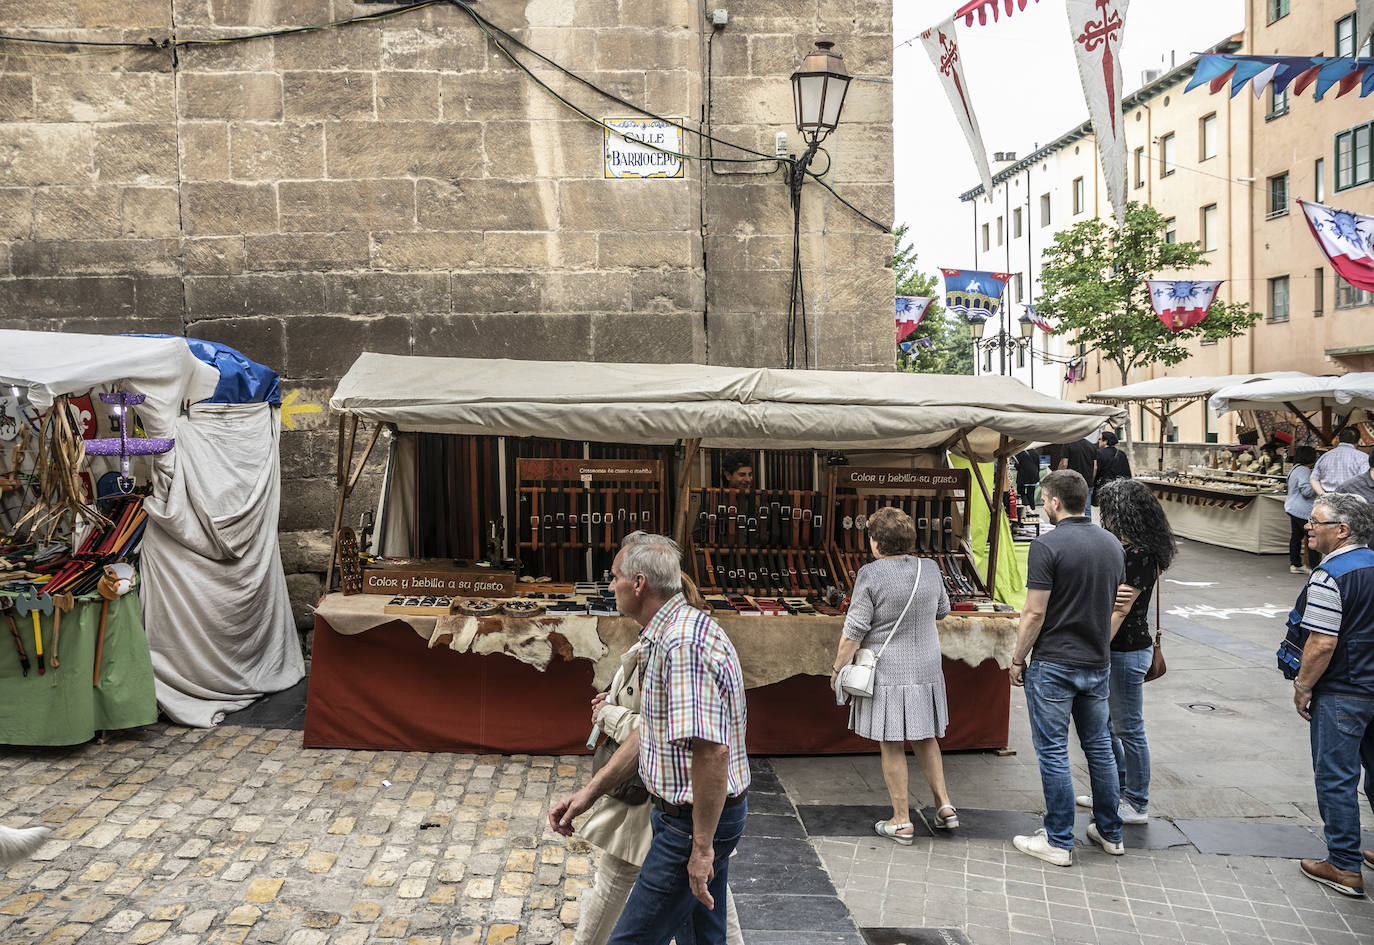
{"x": 1209, "y": 708}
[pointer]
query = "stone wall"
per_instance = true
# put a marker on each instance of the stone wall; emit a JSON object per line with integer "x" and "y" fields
{"x": 399, "y": 186}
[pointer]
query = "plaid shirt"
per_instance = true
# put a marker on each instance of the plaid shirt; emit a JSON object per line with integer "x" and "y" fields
{"x": 692, "y": 688}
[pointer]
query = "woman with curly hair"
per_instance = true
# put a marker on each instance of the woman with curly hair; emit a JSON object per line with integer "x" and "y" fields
{"x": 1131, "y": 512}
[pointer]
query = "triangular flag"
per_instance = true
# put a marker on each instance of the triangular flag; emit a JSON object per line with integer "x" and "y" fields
{"x": 1347, "y": 239}
{"x": 943, "y": 48}
{"x": 1096, "y": 27}
{"x": 981, "y": 8}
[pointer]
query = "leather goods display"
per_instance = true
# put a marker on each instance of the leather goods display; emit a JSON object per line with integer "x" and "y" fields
{"x": 477, "y": 607}
{"x": 937, "y": 538}
{"x": 522, "y": 608}
{"x": 858, "y": 676}
{"x": 631, "y": 791}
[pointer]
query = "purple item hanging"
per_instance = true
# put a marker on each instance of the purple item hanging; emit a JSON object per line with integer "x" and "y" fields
{"x": 126, "y": 446}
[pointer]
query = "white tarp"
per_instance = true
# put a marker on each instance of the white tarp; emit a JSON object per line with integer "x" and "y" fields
{"x": 1183, "y": 388}
{"x": 215, "y": 603}
{"x": 726, "y": 407}
{"x": 1341, "y": 393}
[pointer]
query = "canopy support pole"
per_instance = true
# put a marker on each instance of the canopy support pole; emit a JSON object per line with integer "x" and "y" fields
{"x": 999, "y": 476}
{"x": 346, "y": 482}
{"x": 977, "y": 472}
{"x": 1306, "y": 421}
{"x": 684, "y": 489}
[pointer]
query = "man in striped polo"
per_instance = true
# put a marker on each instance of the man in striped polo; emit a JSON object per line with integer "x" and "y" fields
{"x": 691, "y": 752}
{"x": 1334, "y": 688}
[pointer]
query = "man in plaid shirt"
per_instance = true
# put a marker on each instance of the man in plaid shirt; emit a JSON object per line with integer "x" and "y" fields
{"x": 689, "y": 749}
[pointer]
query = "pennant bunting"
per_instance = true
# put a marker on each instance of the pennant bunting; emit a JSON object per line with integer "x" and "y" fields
{"x": 1347, "y": 239}
{"x": 1294, "y": 73}
{"x": 943, "y": 48}
{"x": 974, "y": 294}
{"x": 1096, "y": 27}
{"x": 910, "y": 310}
{"x": 1182, "y": 303}
{"x": 981, "y": 9}
{"x": 908, "y": 346}
{"x": 1045, "y": 324}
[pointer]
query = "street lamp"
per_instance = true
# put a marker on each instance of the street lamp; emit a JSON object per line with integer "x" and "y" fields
{"x": 1004, "y": 341}
{"x": 818, "y": 89}
{"x": 1027, "y": 325}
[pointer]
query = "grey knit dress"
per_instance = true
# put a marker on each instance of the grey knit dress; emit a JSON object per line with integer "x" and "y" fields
{"x": 908, "y": 700}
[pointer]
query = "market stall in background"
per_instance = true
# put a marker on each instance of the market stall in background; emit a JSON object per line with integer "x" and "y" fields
{"x": 482, "y": 621}
{"x": 138, "y": 550}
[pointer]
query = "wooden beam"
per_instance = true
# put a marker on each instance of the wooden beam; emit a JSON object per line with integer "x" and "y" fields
{"x": 684, "y": 489}
{"x": 977, "y": 472}
{"x": 344, "y": 462}
{"x": 1306, "y": 421}
{"x": 995, "y": 513}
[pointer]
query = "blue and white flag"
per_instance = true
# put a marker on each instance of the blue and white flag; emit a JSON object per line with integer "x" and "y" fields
{"x": 910, "y": 310}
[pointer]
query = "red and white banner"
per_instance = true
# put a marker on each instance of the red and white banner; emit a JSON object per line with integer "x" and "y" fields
{"x": 943, "y": 48}
{"x": 1096, "y": 27}
{"x": 981, "y": 9}
{"x": 1347, "y": 239}
{"x": 1182, "y": 303}
{"x": 911, "y": 309}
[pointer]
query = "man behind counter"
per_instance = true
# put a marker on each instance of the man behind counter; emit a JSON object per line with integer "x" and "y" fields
{"x": 737, "y": 466}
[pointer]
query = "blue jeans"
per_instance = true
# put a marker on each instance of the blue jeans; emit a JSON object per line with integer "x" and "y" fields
{"x": 1127, "y": 701}
{"x": 1088, "y": 506}
{"x": 1056, "y": 693}
{"x": 1342, "y": 731}
{"x": 661, "y": 904}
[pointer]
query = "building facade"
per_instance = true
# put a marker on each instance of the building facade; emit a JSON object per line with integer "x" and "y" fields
{"x": 402, "y": 186}
{"x": 1224, "y": 171}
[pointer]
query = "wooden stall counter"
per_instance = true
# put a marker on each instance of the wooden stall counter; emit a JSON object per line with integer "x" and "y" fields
{"x": 512, "y": 685}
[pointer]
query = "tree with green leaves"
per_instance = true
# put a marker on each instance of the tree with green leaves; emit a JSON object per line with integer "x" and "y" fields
{"x": 1092, "y": 284}
{"x": 951, "y": 349}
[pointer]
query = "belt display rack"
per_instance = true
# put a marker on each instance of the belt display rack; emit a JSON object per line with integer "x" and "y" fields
{"x": 768, "y": 542}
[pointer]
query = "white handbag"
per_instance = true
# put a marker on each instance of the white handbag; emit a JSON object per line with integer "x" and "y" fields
{"x": 856, "y": 678}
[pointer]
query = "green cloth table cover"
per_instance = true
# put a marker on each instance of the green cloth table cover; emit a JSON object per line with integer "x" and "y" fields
{"x": 61, "y": 707}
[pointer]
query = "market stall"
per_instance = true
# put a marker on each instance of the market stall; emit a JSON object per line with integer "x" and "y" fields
{"x": 160, "y": 453}
{"x": 1324, "y": 404}
{"x": 638, "y": 447}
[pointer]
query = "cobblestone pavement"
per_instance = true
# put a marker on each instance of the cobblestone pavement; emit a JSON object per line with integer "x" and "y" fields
{"x": 232, "y": 835}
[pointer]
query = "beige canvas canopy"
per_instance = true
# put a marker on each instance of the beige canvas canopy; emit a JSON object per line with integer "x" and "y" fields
{"x": 722, "y": 406}
{"x": 1181, "y": 388}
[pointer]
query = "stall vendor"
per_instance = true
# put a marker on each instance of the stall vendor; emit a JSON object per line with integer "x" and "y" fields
{"x": 737, "y": 467}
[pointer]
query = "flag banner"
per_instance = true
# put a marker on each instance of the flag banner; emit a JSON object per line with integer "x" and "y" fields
{"x": 1096, "y": 27}
{"x": 1346, "y": 74}
{"x": 974, "y": 294}
{"x": 1047, "y": 325}
{"x": 908, "y": 346}
{"x": 943, "y": 48}
{"x": 1347, "y": 239}
{"x": 981, "y": 9}
{"x": 910, "y": 310}
{"x": 1364, "y": 23}
{"x": 1182, "y": 303}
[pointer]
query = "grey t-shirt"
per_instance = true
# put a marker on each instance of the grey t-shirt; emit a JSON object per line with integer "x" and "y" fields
{"x": 1081, "y": 566}
{"x": 1360, "y": 485}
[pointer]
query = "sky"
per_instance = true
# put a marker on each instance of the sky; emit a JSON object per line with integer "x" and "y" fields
{"x": 1023, "y": 80}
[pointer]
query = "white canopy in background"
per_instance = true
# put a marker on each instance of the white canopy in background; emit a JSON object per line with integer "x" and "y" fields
{"x": 726, "y": 407}
{"x": 1341, "y": 393}
{"x": 215, "y": 604}
{"x": 1183, "y": 388}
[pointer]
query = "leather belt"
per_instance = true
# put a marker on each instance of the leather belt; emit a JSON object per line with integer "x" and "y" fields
{"x": 685, "y": 810}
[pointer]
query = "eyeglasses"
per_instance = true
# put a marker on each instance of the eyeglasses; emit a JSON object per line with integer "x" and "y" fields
{"x": 1314, "y": 523}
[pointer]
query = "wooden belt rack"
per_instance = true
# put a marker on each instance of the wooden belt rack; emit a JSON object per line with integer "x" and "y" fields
{"x": 765, "y": 542}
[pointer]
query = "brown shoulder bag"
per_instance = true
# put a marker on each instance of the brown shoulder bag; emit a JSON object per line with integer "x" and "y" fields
{"x": 1157, "y": 665}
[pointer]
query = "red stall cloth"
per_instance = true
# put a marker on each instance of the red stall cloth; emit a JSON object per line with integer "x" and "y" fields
{"x": 386, "y": 689}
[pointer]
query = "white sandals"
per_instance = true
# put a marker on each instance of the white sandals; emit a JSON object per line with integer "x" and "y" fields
{"x": 947, "y": 823}
{"x": 885, "y": 829}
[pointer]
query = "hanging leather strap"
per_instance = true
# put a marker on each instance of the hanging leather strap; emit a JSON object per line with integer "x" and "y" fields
{"x": 1159, "y": 634}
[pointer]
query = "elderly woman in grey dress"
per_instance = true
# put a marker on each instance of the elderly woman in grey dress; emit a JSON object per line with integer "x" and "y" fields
{"x": 908, "y": 702}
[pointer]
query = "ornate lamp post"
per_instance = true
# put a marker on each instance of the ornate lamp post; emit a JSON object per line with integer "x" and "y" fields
{"x": 1004, "y": 342}
{"x": 818, "y": 89}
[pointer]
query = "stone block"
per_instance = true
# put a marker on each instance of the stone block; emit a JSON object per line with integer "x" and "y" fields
{"x": 358, "y": 49}
{"x": 367, "y": 293}
{"x": 752, "y": 100}
{"x": 485, "y": 292}
{"x": 16, "y": 98}
{"x": 105, "y": 96}
{"x": 253, "y": 96}
{"x": 16, "y": 213}
{"x": 330, "y": 206}
{"x": 306, "y": 453}
{"x": 773, "y": 16}
{"x": 479, "y": 95}
{"x": 255, "y": 294}
{"x": 674, "y": 95}
{"x": 276, "y": 150}
{"x": 223, "y": 208}
{"x": 668, "y": 49}
{"x": 743, "y": 290}
{"x": 76, "y": 213}
{"x": 404, "y": 149}
{"x": 304, "y": 590}
{"x": 85, "y": 296}
{"x": 753, "y": 207}
{"x": 334, "y": 95}
{"x": 116, "y": 325}
{"x": 261, "y": 339}
{"x": 213, "y": 256}
{"x": 129, "y": 14}
{"x": 662, "y": 15}
{"x": 646, "y": 338}
{"x": 866, "y": 103}
{"x": 159, "y": 298}
{"x": 586, "y": 292}
{"x": 645, "y": 250}
{"x": 667, "y": 290}
{"x": 51, "y": 13}
{"x": 744, "y": 339}
{"x": 407, "y": 96}
{"x": 149, "y": 212}
{"x": 221, "y": 57}
{"x": 627, "y": 206}
{"x": 59, "y": 257}
{"x": 325, "y": 346}
{"x": 460, "y": 48}
{"x": 142, "y": 152}
{"x": 307, "y": 251}
{"x": 523, "y": 250}
{"x": 505, "y": 335}
{"x": 270, "y": 14}
{"x": 204, "y": 150}
{"x": 431, "y": 250}
{"x": 488, "y": 205}
{"x": 780, "y": 53}
{"x": 37, "y": 155}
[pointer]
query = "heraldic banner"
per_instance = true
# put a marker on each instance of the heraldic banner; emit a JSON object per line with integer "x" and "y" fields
{"x": 973, "y": 293}
{"x": 943, "y": 48}
{"x": 910, "y": 310}
{"x": 1096, "y": 27}
{"x": 1347, "y": 239}
{"x": 1182, "y": 303}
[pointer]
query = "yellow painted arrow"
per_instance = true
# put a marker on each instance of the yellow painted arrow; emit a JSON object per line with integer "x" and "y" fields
{"x": 289, "y": 409}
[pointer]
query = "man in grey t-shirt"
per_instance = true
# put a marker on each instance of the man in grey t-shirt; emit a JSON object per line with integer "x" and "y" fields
{"x": 1071, "y": 586}
{"x": 1361, "y": 485}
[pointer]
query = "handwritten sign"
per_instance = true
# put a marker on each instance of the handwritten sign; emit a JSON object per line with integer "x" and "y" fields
{"x": 628, "y": 156}
{"x": 396, "y": 581}
{"x": 585, "y": 470}
{"x": 938, "y": 480}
